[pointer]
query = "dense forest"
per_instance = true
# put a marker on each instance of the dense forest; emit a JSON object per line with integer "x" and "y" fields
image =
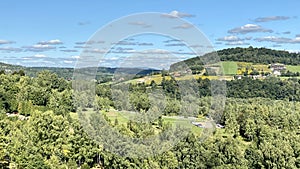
{"x": 250, "y": 54}
{"x": 39, "y": 130}
{"x": 259, "y": 55}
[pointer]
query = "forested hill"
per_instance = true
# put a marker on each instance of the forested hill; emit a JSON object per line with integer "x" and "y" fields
{"x": 250, "y": 54}
{"x": 259, "y": 55}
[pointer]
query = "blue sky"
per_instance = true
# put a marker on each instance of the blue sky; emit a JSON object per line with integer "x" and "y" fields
{"x": 51, "y": 33}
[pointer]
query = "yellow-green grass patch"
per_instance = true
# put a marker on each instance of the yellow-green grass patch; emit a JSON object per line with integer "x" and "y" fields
{"x": 293, "y": 68}
{"x": 229, "y": 68}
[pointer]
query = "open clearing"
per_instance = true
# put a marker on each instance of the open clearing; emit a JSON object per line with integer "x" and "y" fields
{"x": 293, "y": 68}
{"x": 229, "y": 68}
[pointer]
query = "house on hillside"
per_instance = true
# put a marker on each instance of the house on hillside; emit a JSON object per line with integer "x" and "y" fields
{"x": 177, "y": 74}
{"x": 277, "y": 68}
{"x": 276, "y": 72}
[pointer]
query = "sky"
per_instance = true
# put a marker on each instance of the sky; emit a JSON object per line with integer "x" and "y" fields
{"x": 58, "y": 33}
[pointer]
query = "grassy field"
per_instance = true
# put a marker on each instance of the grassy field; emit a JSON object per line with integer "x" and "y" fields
{"x": 124, "y": 117}
{"x": 229, "y": 68}
{"x": 293, "y": 68}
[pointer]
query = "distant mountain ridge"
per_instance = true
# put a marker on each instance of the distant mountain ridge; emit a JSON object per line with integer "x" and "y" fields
{"x": 67, "y": 73}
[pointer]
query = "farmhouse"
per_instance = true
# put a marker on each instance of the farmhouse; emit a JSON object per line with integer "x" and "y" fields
{"x": 277, "y": 68}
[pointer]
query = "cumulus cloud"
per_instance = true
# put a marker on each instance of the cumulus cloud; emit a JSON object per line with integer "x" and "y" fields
{"x": 279, "y": 40}
{"x": 39, "y": 48}
{"x": 3, "y": 42}
{"x": 229, "y": 38}
{"x": 271, "y": 18}
{"x": 51, "y": 42}
{"x": 237, "y": 43}
{"x": 249, "y": 28}
{"x": 176, "y": 14}
{"x": 234, "y": 40}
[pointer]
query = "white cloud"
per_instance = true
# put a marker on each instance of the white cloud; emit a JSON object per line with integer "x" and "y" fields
{"x": 2, "y": 42}
{"x": 68, "y": 61}
{"x": 89, "y": 42}
{"x": 279, "y": 40}
{"x": 175, "y": 14}
{"x": 95, "y": 51}
{"x": 75, "y": 57}
{"x": 293, "y": 51}
{"x": 237, "y": 43}
{"x": 234, "y": 40}
{"x": 51, "y": 42}
{"x": 10, "y": 49}
{"x": 39, "y": 56}
{"x": 229, "y": 38}
{"x": 39, "y": 48}
{"x": 249, "y": 28}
